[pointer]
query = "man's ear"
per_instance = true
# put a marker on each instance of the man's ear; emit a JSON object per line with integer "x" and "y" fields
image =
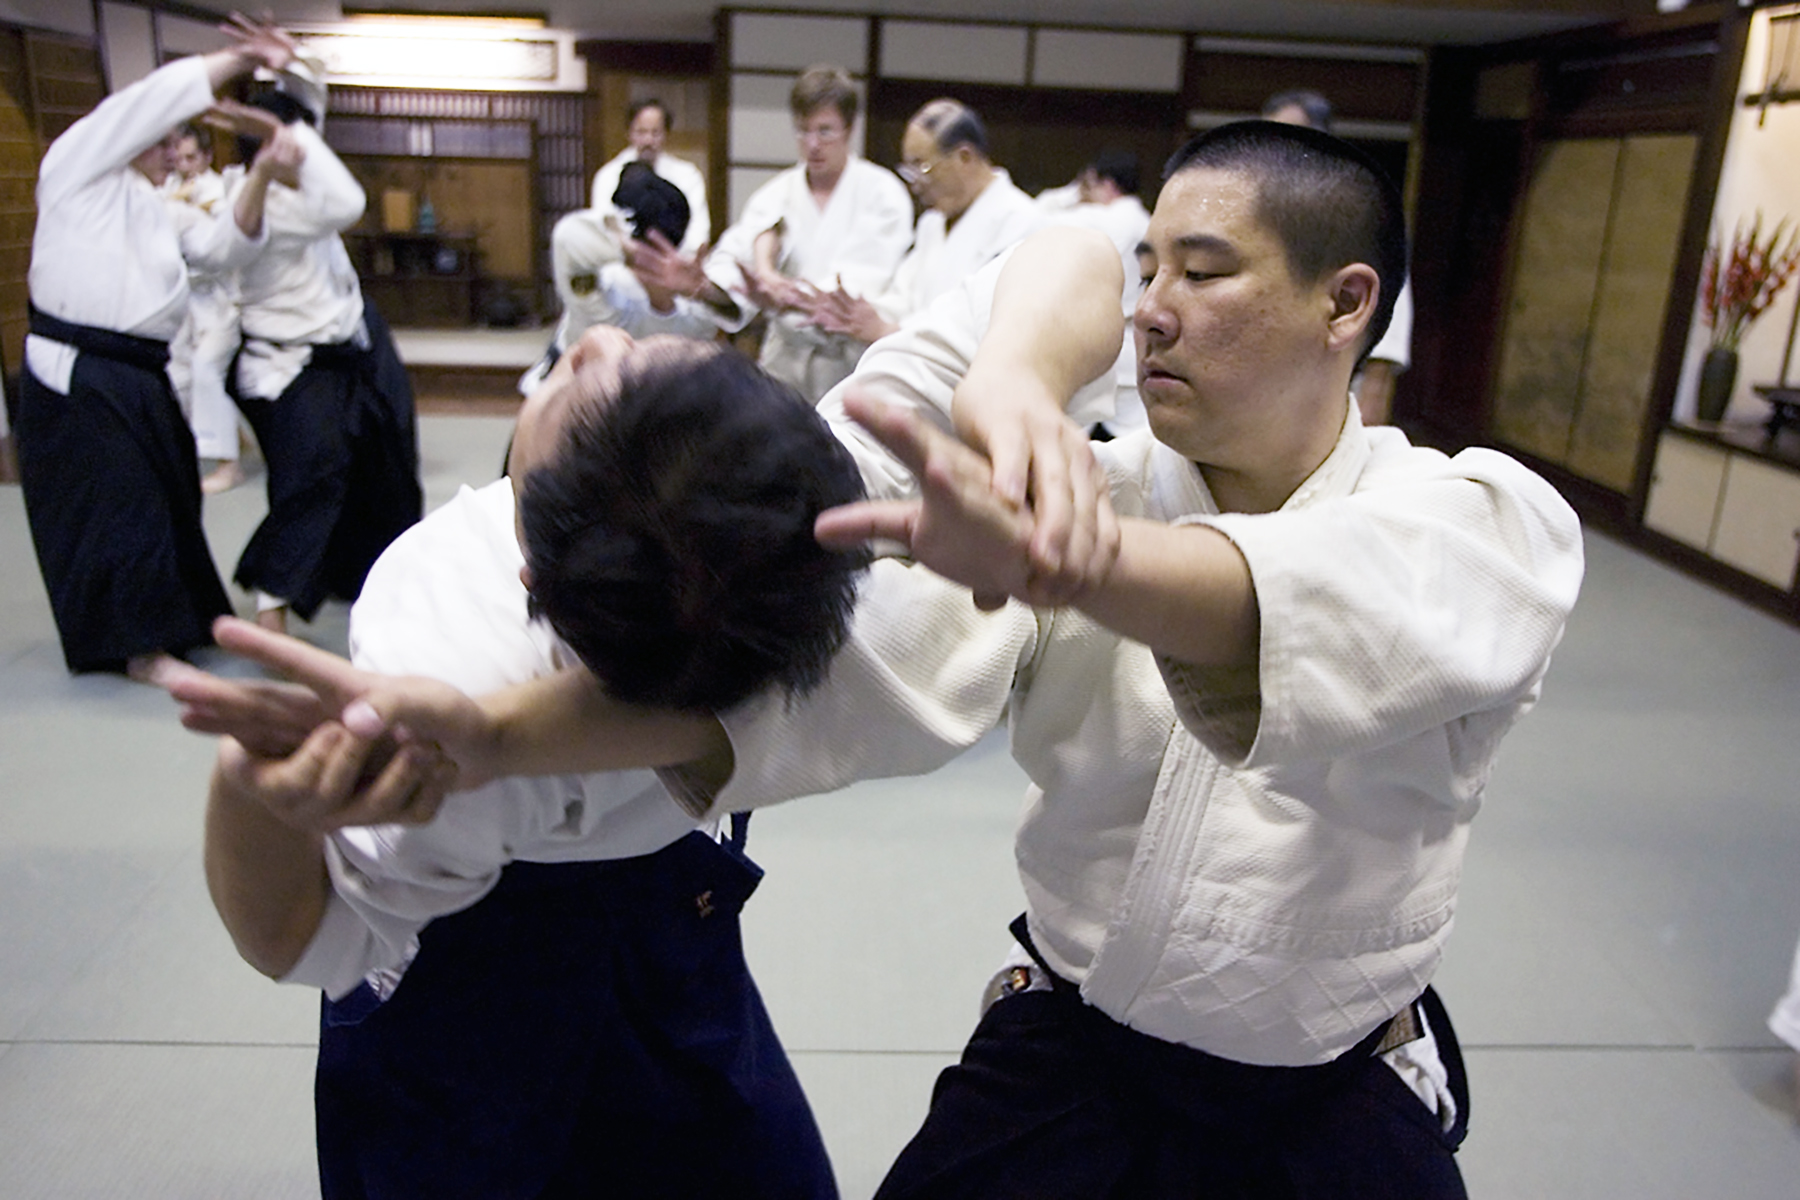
{"x": 1353, "y": 291}
{"x": 525, "y": 575}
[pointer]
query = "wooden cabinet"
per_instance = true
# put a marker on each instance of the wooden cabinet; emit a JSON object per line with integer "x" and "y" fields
{"x": 417, "y": 279}
{"x": 1684, "y": 490}
{"x": 1739, "y": 504}
{"x": 1759, "y": 520}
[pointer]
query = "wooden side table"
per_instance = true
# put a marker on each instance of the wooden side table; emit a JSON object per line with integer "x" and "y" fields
{"x": 417, "y": 279}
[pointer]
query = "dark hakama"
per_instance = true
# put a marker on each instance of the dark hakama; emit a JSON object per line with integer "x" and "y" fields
{"x": 342, "y": 449}
{"x": 587, "y": 1029}
{"x": 112, "y": 492}
{"x": 1054, "y": 1100}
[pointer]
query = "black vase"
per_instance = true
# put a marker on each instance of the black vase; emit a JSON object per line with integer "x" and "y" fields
{"x": 1718, "y": 372}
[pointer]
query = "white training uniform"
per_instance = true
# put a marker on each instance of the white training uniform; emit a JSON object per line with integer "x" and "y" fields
{"x": 1261, "y": 863}
{"x": 444, "y": 600}
{"x": 106, "y": 252}
{"x": 302, "y": 290}
{"x": 856, "y": 240}
{"x": 678, "y": 171}
{"x": 201, "y": 352}
{"x": 945, "y": 253}
{"x": 597, "y": 288}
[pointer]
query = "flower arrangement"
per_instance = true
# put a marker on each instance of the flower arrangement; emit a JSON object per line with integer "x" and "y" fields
{"x": 1738, "y": 285}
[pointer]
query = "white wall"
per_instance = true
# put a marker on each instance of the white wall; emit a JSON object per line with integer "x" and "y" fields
{"x": 64, "y": 16}
{"x": 1761, "y": 171}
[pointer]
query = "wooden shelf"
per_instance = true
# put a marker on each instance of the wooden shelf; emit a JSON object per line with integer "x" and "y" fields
{"x": 419, "y": 280}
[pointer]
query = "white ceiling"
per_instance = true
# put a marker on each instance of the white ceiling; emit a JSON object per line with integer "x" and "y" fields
{"x": 1379, "y": 21}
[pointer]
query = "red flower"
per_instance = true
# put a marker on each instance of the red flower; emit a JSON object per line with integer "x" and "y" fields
{"x": 1737, "y": 287}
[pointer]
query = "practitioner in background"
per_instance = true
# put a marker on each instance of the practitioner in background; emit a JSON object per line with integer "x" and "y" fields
{"x": 201, "y": 353}
{"x": 834, "y": 220}
{"x": 590, "y": 252}
{"x": 1107, "y": 201}
{"x": 108, "y": 468}
{"x": 320, "y": 383}
{"x": 1375, "y": 380}
{"x": 972, "y": 211}
{"x": 649, "y": 129}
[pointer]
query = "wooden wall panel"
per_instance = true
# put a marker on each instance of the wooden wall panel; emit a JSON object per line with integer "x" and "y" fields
{"x": 1650, "y": 202}
{"x": 490, "y": 199}
{"x": 19, "y": 153}
{"x": 1555, "y": 278}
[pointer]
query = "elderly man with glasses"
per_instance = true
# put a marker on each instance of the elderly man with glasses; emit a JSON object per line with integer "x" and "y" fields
{"x": 972, "y": 212}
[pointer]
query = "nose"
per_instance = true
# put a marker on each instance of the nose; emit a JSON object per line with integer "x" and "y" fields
{"x": 1152, "y": 317}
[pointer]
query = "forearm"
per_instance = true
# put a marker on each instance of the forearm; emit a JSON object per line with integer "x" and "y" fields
{"x": 1182, "y": 590}
{"x": 251, "y": 200}
{"x": 223, "y": 66}
{"x": 1055, "y": 317}
{"x": 565, "y": 724}
{"x": 268, "y": 880}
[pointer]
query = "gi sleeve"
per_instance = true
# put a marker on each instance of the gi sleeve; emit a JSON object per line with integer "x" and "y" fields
{"x": 1432, "y": 597}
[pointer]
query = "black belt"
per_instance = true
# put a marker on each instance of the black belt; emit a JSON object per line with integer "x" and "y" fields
{"x": 102, "y": 343}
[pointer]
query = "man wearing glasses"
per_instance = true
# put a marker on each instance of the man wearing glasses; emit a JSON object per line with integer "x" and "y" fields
{"x": 832, "y": 221}
{"x": 972, "y": 211}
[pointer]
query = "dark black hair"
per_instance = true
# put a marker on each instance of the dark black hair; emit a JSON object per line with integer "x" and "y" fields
{"x": 287, "y": 110}
{"x": 951, "y": 123}
{"x": 649, "y": 102}
{"x": 1120, "y": 166}
{"x": 670, "y": 537}
{"x": 652, "y": 202}
{"x": 1328, "y": 201}
{"x": 201, "y": 134}
{"x": 1316, "y": 107}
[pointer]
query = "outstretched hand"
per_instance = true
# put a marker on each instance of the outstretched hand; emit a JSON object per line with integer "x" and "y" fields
{"x": 960, "y": 526}
{"x": 264, "y": 43}
{"x": 335, "y": 779}
{"x": 1042, "y": 460}
{"x": 266, "y": 717}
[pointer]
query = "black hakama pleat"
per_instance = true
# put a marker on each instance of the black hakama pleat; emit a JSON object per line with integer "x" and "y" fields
{"x": 342, "y": 449}
{"x": 112, "y": 491}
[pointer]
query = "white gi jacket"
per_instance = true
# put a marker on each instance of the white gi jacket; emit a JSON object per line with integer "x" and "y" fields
{"x": 1261, "y": 864}
{"x": 857, "y": 240}
{"x": 201, "y": 352}
{"x": 678, "y": 171}
{"x": 942, "y": 255}
{"x": 597, "y": 288}
{"x": 106, "y": 252}
{"x": 445, "y": 600}
{"x": 301, "y": 291}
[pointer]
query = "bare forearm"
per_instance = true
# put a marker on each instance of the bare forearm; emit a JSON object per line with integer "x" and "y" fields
{"x": 1056, "y": 314}
{"x": 268, "y": 881}
{"x": 248, "y": 212}
{"x": 1184, "y": 591}
{"x": 565, "y": 724}
{"x": 223, "y": 66}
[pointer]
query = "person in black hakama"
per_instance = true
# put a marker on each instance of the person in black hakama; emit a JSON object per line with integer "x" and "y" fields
{"x": 106, "y": 460}
{"x": 321, "y": 385}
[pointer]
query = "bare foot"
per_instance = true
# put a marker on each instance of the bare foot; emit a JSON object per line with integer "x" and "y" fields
{"x": 155, "y": 668}
{"x": 223, "y": 477}
{"x": 273, "y": 618}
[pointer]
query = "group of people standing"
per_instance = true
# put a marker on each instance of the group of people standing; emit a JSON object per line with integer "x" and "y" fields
{"x": 827, "y": 252}
{"x": 108, "y": 462}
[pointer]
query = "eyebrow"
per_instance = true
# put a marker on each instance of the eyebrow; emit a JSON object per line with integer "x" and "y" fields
{"x": 1205, "y": 242}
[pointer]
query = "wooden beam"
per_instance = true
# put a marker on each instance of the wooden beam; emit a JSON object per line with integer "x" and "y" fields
{"x": 1598, "y": 10}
